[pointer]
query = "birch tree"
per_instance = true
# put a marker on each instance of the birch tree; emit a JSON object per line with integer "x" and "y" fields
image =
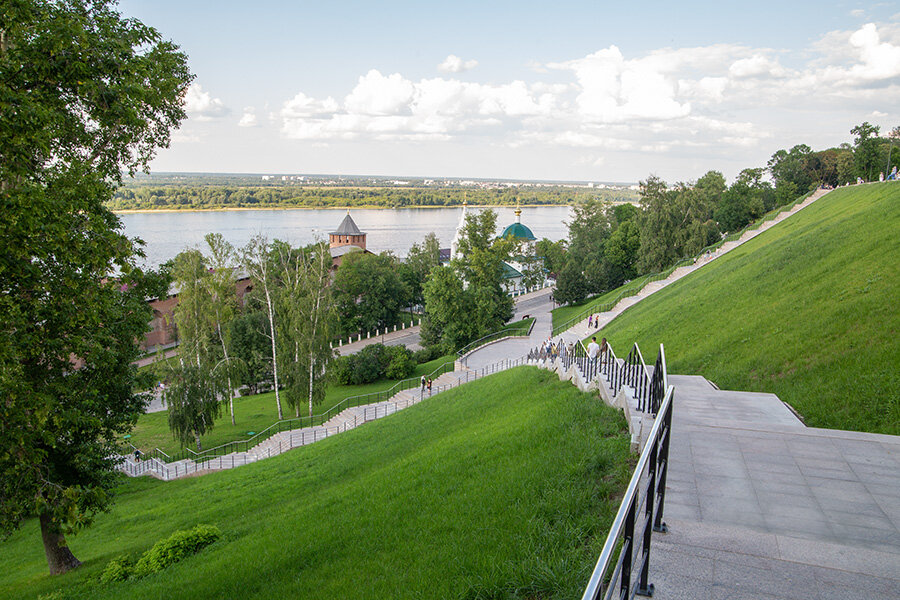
{"x": 258, "y": 262}
{"x": 223, "y": 306}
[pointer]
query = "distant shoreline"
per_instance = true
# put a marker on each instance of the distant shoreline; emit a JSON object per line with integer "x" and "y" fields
{"x": 239, "y": 208}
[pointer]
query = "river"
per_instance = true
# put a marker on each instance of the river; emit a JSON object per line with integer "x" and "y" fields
{"x": 168, "y": 233}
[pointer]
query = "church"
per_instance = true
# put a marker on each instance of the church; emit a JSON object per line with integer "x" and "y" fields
{"x": 513, "y": 268}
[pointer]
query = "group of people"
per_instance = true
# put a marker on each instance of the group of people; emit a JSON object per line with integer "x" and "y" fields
{"x": 594, "y": 322}
{"x": 426, "y": 384}
{"x": 596, "y": 350}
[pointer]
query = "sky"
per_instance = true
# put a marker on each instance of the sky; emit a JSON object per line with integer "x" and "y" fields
{"x": 574, "y": 91}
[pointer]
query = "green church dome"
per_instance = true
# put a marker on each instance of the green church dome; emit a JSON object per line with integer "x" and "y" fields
{"x": 518, "y": 231}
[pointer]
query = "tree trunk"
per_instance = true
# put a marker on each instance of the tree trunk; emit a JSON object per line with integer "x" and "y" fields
{"x": 59, "y": 558}
{"x": 197, "y": 437}
{"x": 274, "y": 353}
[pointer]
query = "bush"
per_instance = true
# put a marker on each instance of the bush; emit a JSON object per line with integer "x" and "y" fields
{"x": 179, "y": 545}
{"x": 118, "y": 569}
{"x": 426, "y": 354}
{"x": 342, "y": 370}
{"x": 402, "y": 364}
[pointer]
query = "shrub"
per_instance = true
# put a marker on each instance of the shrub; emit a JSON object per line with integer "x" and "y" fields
{"x": 426, "y": 354}
{"x": 401, "y": 365}
{"x": 118, "y": 569}
{"x": 177, "y": 546}
{"x": 342, "y": 370}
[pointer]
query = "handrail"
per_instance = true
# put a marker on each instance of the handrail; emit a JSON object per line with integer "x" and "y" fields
{"x": 653, "y": 460}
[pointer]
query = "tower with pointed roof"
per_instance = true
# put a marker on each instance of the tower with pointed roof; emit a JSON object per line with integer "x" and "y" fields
{"x": 347, "y": 234}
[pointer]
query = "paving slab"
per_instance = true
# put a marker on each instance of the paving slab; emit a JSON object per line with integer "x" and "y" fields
{"x": 764, "y": 507}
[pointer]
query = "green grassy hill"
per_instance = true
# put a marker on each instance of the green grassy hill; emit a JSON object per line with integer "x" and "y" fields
{"x": 500, "y": 487}
{"x": 809, "y": 310}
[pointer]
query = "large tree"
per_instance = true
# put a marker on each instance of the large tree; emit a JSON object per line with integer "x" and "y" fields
{"x": 84, "y": 94}
{"x": 368, "y": 291}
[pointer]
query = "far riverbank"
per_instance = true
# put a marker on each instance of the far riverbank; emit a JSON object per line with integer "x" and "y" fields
{"x": 168, "y": 232}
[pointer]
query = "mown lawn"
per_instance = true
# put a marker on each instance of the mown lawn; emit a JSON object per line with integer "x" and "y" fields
{"x": 503, "y": 487}
{"x": 254, "y": 413}
{"x": 809, "y": 310}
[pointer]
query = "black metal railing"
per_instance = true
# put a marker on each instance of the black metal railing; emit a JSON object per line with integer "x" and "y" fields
{"x": 639, "y": 515}
{"x": 647, "y": 384}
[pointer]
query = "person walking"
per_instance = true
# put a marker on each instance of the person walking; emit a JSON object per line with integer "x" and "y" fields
{"x": 429, "y": 387}
{"x": 423, "y": 386}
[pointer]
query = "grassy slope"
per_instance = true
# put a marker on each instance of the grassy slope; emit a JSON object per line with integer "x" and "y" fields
{"x": 807, "y": 310}
{"x": 570, "y": 311}
{"x": 255, "y": 413}
{"x": 500, "y": 484}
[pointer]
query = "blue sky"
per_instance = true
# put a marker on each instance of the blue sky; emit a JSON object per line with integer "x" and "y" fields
{"x": 526, "y": 90}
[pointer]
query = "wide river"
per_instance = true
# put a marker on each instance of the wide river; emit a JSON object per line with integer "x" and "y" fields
{"x": 168, "y": 233}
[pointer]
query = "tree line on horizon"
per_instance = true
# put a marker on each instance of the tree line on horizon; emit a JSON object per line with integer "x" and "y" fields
{"x": 172, "y": 197}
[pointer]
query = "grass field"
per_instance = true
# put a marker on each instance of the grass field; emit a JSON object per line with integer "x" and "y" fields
{"x": 253, "y": 413}
{"x": 500, "y": 488}
{"x": 808, "y": 310}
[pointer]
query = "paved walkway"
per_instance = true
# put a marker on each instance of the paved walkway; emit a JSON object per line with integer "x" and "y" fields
{"x": 760, "y": 506}
{"x": 278, "y": 443}
{"x": 537, "y": 305}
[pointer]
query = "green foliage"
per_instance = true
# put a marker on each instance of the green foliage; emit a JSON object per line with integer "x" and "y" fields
{"x": 571, "y": 286}
{"x": 368, "y": 292}
{"x": 426, "y": 354}
{"x": 534, "y": 468}
{"x": 553, "y": 254}
{"x": 208, "y": 192}
{"x": 176, "y": 547}
{"x": 402, "y": 364}
{"x": 372, "y": 363}
{"x": 806, "y": 310}
{"x": 418, "y": 264}
{"x": 118, "y": 569}
{"x": 251, "y": 346}
{"x": 86, "y": 95}
{"x": 867, "y": 151}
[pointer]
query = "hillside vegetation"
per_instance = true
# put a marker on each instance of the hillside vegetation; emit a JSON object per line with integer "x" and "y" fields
{"x": 807, "y": 310}
{"x": 505, "y": 485}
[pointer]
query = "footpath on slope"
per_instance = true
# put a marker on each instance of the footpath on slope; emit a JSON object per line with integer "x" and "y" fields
{"x": 580, "y": 330}
{"x": 760, "y": 506}
{"x": 279, "y": 443}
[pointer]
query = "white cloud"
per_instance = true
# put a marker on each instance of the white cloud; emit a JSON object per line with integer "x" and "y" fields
{"x": 702, "y": 99}
{"x": 201, "y": 105}
{"x": 454, "y": 64}
{"x": 376, "y": 94}
{"x": 248, "y": 119}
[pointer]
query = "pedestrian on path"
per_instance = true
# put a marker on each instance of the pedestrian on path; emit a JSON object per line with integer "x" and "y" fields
{"x": 590, "y": 321}
{"x": 429, "y": 387}
{"x": 593, "y": 349}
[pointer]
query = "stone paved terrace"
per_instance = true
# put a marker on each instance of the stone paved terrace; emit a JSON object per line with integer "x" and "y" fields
{"x": 760, "y": 506}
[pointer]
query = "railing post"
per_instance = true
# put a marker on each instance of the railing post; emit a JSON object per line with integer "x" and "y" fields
{"x": 627, "y": 550}
{"x": 663, "y": 468}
